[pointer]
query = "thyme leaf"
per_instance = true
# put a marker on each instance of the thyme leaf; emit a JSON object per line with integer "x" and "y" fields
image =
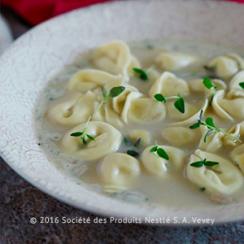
{"x": 132, "y": 153}
{"x": 141, "y": 73}
{"x": 116, "y": 91}
{"x": 241, "y": 84}
{"x": 160, "y": 98}
{"x": 180, "y": 104}
{"x": 204, "y": 162}
{"x": 208, "y": 83}
{"x": 160, "y": 152}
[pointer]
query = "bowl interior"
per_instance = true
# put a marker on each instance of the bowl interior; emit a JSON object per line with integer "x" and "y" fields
{"x": 38, "y": 55}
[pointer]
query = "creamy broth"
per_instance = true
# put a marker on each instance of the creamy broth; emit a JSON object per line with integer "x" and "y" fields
{"x": 175, "y": 186}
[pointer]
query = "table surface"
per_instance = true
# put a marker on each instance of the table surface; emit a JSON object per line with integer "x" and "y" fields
{"x": 20, "y": 201}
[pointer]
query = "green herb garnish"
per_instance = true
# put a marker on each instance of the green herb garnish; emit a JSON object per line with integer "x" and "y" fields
{"x": 116, "y": 91}
{"x": 141, "y": 73}
{"x": 208, "y": 133}
{"x": 210, "y": 163}
{"x": 204, "y": 162}
{"x": 208, "y": 83}
{"x": 212, "y": 128}
{"x": 85, "y": 138}
{"x": 208, "y": 123}
{"x": 160, "y": 98}
{"x": 179, "y": 102}
{"x": 154, "y": 149}
{"x": 160, "y": 152}
{"x": 197, "y": 164}
{"x": 77, "y": 134}
{"x": 132, "y": 153}
{"x": 196, "y": 125}
{"x": 202, "y": 189}
{"x": 241, "y": 84}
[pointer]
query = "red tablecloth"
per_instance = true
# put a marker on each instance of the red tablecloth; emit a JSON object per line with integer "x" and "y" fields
{"x": 36, "y": 11}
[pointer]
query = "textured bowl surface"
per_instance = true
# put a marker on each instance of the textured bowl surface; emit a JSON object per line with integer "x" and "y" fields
{"x": 5, "y": 36}
{"x": 33, "y": 59}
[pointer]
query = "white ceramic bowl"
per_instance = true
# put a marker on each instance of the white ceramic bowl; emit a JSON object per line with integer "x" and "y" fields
{"x": 5, "y": 36}
{"x": 27, "y": 66}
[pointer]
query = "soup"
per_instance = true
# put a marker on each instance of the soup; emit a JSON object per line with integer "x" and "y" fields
{"x": 150, "y": 121}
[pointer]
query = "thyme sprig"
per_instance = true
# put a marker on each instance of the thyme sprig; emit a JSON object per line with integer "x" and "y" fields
{"x": 179, "y": 103}
{"x": 207, "y": 163}
{"x": 208, "y": 123}
{"x": 204, "y": 162}
{"x": 209, "y": 84}
{"x": 85, "y": 137}
{"x": 159, "y": 151}
{"x": 212, "y": 128}
{"x": 142, "y": 74}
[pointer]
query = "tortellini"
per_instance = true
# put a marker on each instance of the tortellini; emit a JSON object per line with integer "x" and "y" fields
{"x": 233, "y": 136}
{"x": 196, "y": 85}
{"x": 72, "y": 109}
{"x": 90, "y": 79}
{"x": 117, "y": 170}
{"x": 111, "y": 116}
{"x": 180, "y": 136}
{"x": 174, "y": 114}
{"x": 169, "y": 85}
{"x": 192, "y": 119}
{"x": 172, "y": 61}
{"x": 235, "y": 89}
{"x": 234, "y": 107}
{"x": 118, "y": 102}
{"x": 142, "y": 135}
{"x": 237, "y": 156}
{"x": 145, "y": 110}
{"x": 128, "y": 105}
{"x": 212, "y": 142}
{"x": 242, "y": 128}
{"x": 115, "y": 111}
{"x": 216, "y": 140}
{"x": 226, "y": 66}
{"x": 218, "y": 109}
{"x": 158, "y": 166}
{"x": 114, "y": 58}
{"x": 107, "y": 140}
{"x": 153, "y": 74}
{"x": 223, "y": 178}
{"x": 134, "y": 63}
